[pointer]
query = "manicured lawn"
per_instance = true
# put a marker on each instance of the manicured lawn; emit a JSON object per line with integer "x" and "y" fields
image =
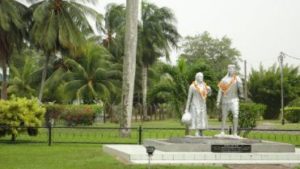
{"x": 91, "y": 156}
{"x": 67, "y": 156}
{"x": 276, "y": 124}
{"x": 175, "y": 123}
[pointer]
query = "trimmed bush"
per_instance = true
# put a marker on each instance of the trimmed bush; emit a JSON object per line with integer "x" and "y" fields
{"x": 295, "y": 103}
{"x": 292, "y": 114}
{"x": 18, "y": 113}
{"x": 249, "y": 114}
{"x": 73, "y": 114}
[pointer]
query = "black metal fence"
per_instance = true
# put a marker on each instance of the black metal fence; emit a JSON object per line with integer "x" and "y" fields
{"x": 111, "y": 135}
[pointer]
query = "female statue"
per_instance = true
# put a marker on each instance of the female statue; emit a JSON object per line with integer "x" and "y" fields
{"x": 196, "y": 104}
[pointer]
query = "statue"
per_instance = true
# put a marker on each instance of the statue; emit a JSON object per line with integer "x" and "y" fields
{"x": 230, "y": 89}
{"x": 195, "y": 110}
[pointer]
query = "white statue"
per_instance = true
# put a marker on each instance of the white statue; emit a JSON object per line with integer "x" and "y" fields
{"x": 230, "y": 89}
{"x": 196, "y": 105}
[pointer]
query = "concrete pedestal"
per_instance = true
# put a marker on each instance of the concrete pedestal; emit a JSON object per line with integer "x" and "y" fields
{"x": 217, "y": 144}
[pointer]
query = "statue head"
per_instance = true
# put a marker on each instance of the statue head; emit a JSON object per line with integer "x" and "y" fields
{"x": 199, "y": 77}
{"x": 231, "y": 69}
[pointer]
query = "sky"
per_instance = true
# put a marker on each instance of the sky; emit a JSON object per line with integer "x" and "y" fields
{"x": 259, "y": 29}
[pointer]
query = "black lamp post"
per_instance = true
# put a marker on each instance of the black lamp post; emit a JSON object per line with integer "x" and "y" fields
{"x": 150, "y": 150}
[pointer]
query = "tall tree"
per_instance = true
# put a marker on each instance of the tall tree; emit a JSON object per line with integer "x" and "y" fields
{"x": 175, "y": 80}
{"x": 12, "y": 31}
{"x": 214, "y": 51}
{"x": 114, "y": 29}
{"x": 129, "y": 65}
{"x": 21, "y": 80}
{"x": 59, "y": 25}
{"x": 157, "y": 36}
{"x": 172, "y": 87}
{"x": 92, "y": 77}
{"x": 264, "y": 87}
{"x": 23, "y": 68}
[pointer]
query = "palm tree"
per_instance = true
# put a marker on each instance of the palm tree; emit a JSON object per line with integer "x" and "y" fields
{"x": 129, "y": 65}
{"x": 91, "y": 77}
{"x": 173, "y": 83}
{"x": 12, "y": 31}
{"x": 21, "y": 84}
{"x": 156, "y": 38}
{"x": 114, "y": 30}
{"x": 172, "y": 87}
{"x": 59, "y": 25}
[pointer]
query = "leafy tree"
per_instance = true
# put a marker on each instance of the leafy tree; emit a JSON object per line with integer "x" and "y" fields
{"x": 13, "y": 24}
{"x": 114, "y": 32}
{"x": 217, "y": 53}
{"x": 59, "y": 25}
{"x": 173, "y": 85}
{"x": 172, "y": 88}
{"x": 157, "y": 36}
{"x": 91, "y": 77}
{"x": 264, "y": 87}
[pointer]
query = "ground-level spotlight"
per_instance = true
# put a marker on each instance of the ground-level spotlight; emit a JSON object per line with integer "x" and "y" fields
{"x": 150, "y": 150}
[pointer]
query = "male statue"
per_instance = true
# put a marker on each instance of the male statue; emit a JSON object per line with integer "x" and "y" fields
{"x": 196, "y": 104}
{"x": 230, "y": 89}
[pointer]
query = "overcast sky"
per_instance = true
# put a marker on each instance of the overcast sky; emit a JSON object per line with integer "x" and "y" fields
{"x": 259, "y": 29}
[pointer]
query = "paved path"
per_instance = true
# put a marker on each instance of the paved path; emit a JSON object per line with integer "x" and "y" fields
{"x": 237, "y": 166}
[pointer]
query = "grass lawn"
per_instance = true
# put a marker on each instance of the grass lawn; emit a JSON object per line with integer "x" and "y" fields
{"x": 276, "y": 124}
{"x": 91, "y": 156}
{"x": 68, "y": 156}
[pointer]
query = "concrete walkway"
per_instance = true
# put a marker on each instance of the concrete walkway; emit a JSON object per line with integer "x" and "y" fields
{"x": 255, "y": 166}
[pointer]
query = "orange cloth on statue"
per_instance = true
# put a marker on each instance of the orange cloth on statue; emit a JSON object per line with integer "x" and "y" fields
{"x": 202, "y": 92}
{"x": 225, "y": 86}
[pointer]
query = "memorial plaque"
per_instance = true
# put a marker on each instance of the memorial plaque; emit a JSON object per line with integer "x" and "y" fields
{"x": 229, "y": 148}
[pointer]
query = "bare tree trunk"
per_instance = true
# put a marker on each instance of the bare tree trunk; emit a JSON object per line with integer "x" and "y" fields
{"x": 129, "y": 65}
{"x": 4, "y": 81}
{"x": 44, "y": 76}
{"x": 144, "y": 89}
{"x": 13, "y": 138}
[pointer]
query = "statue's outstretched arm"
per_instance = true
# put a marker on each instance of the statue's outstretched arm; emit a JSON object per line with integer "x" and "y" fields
{"x": 188, "y": 102}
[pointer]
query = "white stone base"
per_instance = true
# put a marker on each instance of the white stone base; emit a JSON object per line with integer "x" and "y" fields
{"x": 136, "y": 154}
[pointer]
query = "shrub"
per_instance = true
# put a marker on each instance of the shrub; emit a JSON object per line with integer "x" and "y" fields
{"x": 73, "y": 114}
{"x": 295, "y": 103}
{"x": 292, "y": 114}
{"x": 249, "y": 114}
{"x": 18, "y": 113}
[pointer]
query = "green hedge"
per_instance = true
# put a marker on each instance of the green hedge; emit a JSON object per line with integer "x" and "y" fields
{"x": 73, "y": 114}
{"x": 292, "y": 114}
{"x": 249, "y": 114}
{"x": 20, "y": 114}
{"x": 295, "y": 103}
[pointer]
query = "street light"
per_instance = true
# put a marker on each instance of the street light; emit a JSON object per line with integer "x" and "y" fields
{"x": 280, "y": 58}
{"x": 150, "y": 150}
